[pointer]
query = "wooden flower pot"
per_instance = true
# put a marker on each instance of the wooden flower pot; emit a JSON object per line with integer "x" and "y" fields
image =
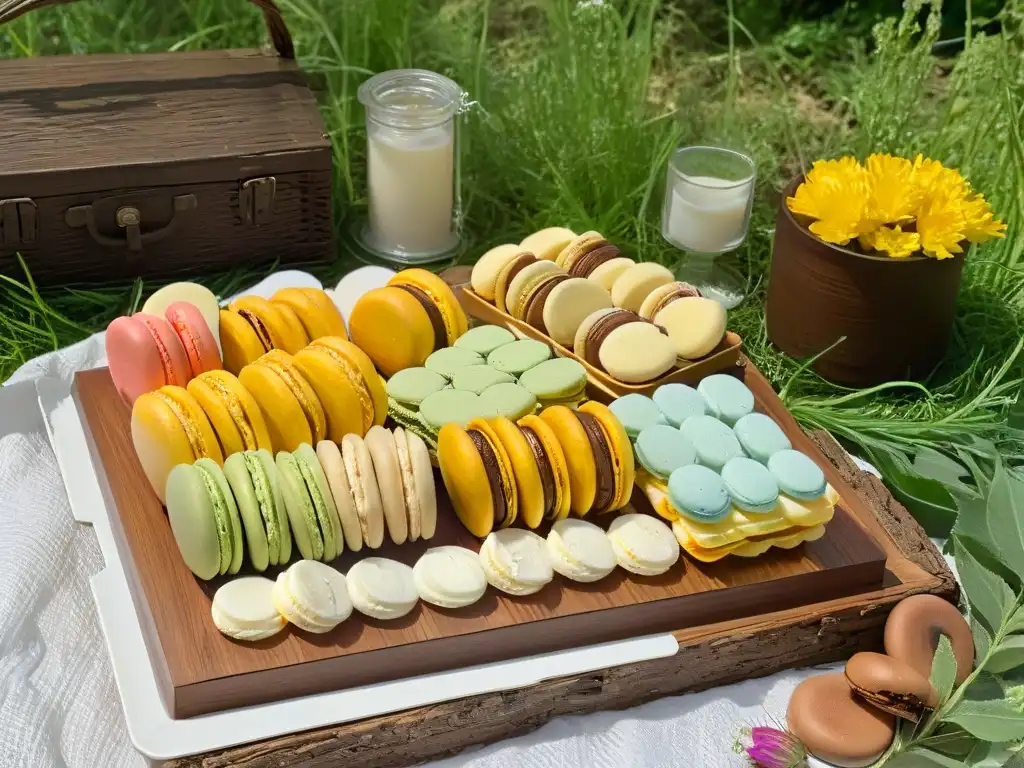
{"x": 896, "y": 314}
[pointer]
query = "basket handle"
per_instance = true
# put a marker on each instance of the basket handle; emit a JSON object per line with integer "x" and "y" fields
{"x": 279, "y": 34}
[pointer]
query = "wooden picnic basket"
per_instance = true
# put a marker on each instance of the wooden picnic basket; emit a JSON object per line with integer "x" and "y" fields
{"x": 119, "y": 166}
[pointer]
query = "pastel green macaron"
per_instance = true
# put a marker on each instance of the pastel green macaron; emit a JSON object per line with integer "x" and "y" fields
{"x": 447, "y": 360}
{"x": 637, "y": 413}
{"x": 760, "y": 437}
{"x": 662, "y": 449}
{"x": 714, "y": 441}
{"x": 678, "y": 402}
{"x": 323, "y": 501}
{"x": 301, "y": 512}
{"x": 484, "y": 339}
{"x": 797, "y": 475}
{"x": 452, "y": 406}
{"x": 727, "y": 398}
{"x": 237, "y": 473}
{"x": 204, "y": 519}
{"x": 477, "y": 378}
{"x": 750, "y": 485}
{"x": 509, "y": 400}
{"x": 519, "y": 356}
{"x": 559, "y": 381}
{"x": 699, "y": 493}
{"x": 411, "y": 385}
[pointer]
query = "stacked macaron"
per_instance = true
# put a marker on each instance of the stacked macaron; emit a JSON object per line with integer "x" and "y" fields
{"x": 251, "y": 326}
{"x": 400, "y": 325}
{"x": 485, "y": 375}
{"x": 539, "y": 468}
{"x": 319, "y": 500}
{"x": 173, "y": 339}
{"x": 724, "y": 475}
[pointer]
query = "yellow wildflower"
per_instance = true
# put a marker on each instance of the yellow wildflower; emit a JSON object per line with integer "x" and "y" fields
{"x": 834, "y": 194}
{"x": 930, "y": 176}
{"x": 845, "y": 170}
{"x": 940, "y": 223}
{"x": 894, "y": 198}
{"x": 893, "y": 241}
{"x": 979, "y": 223}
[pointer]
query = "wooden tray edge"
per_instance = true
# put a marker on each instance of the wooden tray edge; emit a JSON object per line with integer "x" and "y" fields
{"x": 717, "y": 658}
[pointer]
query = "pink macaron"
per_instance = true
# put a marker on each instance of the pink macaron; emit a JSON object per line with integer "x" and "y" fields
{"x": 196, "y": 337}
{"x": 144, "y": 353}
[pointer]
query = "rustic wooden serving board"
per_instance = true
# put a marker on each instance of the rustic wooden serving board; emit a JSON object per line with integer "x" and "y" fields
{"x": 201, "y": 671}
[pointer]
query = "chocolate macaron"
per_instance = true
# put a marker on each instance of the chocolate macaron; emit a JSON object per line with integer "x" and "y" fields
{"x": 836, "y": 725}
{"x": 588, "y": 262}
{"x": 890, "y": 685}
{"x": 664, "y": 295}
{"x": 595, "y": 328}
{"x": 536, "y": 298}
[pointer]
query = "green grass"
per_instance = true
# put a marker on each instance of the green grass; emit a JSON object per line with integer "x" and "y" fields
{"x": 579, "y": 107}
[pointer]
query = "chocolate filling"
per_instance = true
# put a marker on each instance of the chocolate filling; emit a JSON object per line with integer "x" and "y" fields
{"x": 534, "y": 314}
{"x": 260, "y": 329}
{"x": 518, "y": 264}
{"x": 490, "y": 459}
{"x": 681, "y": 291}
{"x": 603, "y": 458}
{"x": 904, "y": 705}
{"x": 436, "y": 320}
{"x": 600, "y": 331}
{"x": 588, "y": 262}
{"x": 547, "y": 474}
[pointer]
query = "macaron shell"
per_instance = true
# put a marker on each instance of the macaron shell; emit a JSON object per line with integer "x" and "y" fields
{"x": 519, "y": 356}
{"x": 447, "y": 360}
{"x": 529, "y": 490}
{"x": 320, "y": 491}
{"x": 342, "y": 408}
{"x": 621, "y": 450}
{"x": 728, "y": 398}
{"x": 534, "y": 292}
{"x": 413, "y": 385}
{"x": 548, "y": 243}
{"x": 797, "y": 475}
{"x": 637, "y": 352}
{"x": 578, "y": 247}
{"x": 606, "y": 274}
{"x": 266, "y": 461}
{"x": 286, "y": 332}
{"x": 449, "y": 577}
{"x": 233, "y": 412}
{"x": 365, "y": 493}
{"x": 356, "y": 366}
{"x": 750, "y": 485}
{"x": 437, "y": 290}
{"x": 477, "y": 378}
{"x": 662, "y": 449}
{"x": 451, "y": 406}
{"x": 329, "y": 456}
{"x": 714, "y": 442}
{"x": 190, "y": 513}
{"x": 286, "y": 422}
{"x": 199, "y": 296}
{"x": 567, "y": 306}
{"x": 239, "y": 342}
{"x": 353, "y": 285}
{"x": 695, "y": 325}
{"x": 580, "y": 339}
{"x": 257, "y": 544}
{"x": 299, "y": 506}
{"x": 678, "y": 402}
{"x": 578, "y": 455}
{"x": 484, "y": 339}
{"x": 507, "y": 275}
{"x": 560, "y": 378}
{"x": 213, "y": 470}
{"x": 485, "y": 271}
{"x": 637, "y": 282}
{"x": 556, "y": 458}
{"x": 760, "y": 437}
{"x": 636, "y": 412}
{"x": 508, "y": 400}
{"x": 528, "y": 275}
{"x": 699, "y": 493}
{"x": 197, "y": 340}
{"x": 314, "y": 309}
{"x": 465, "y": 477}
{"x": 423, "y": 472}
{"x": 392, "y": 328}
{"x": 381, "y": 444}
{"x": 505, "y": 469}
{"x": 144, "y": 354}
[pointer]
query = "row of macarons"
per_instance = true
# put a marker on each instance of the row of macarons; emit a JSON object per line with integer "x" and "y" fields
{"x": 328, "y": 389}
{"x": 317, "y": 598}
{"x": 542, "y": 467}
{"x": 322, "y": 500}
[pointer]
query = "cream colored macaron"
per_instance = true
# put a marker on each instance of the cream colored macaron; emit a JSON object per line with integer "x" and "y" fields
{"x": 568, "y": 304}
{"x": 516, "y": 561}
{"x": 243, "y": 609}
{"x": 381, "y": 588}
{"x": 528, "y": 275}
{"x": 580, "y": 551}
{"x": 485, "y": 271}
{"x": 337, "y": 480}
{"x": 643, "y": 544}
{"x": 637, "y": 352}
{"x": 547, "y": 243}
{"x": 449, "y": 577}
{"x": 696, "y": 325}
{"x": 606, "y": 274}
{"x": 312, "y": 596}
{"x": 636, "y": 283}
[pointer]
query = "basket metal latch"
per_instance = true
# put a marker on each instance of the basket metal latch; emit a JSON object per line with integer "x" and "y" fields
{"x": 17, "y": 221}
{"x": 256, "y": 200}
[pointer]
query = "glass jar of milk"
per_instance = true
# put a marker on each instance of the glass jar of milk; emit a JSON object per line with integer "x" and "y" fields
{"x": 412, "y": 164}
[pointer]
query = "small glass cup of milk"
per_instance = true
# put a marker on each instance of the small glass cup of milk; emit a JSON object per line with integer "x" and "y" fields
{"x": 709, "y": 192}
{"x": 412, "y": 165}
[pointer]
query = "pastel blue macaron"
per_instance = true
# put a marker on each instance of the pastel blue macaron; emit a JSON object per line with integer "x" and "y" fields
{"x": 699, "y": 493}
{"x": 714, "y": 442}
{"x": 760, "y": 436}
{"x": 727, "y": 397}
{"x": 797, "y": 475}
{"x": 662, "y": 449}
{"x": 636, "y": 413}
{"x": 678, "y": 402}
{"x": 752, "y": 487}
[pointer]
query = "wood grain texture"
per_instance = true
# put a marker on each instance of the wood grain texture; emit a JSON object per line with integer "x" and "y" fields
{"x": 714, "y": 655}
{"x": 208, "y": 672}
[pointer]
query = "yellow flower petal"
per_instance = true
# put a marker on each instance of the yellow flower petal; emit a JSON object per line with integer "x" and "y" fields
{"x": 895, "y": 242}
{"x": 940, "y": 223}
{"x": 837, "y": 231}
{"x": 979, "y": 223}
{"x": 893, "y": 196}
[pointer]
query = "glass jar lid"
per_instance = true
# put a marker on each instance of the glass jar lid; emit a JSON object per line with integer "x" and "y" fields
{"x": 410, "y": 98}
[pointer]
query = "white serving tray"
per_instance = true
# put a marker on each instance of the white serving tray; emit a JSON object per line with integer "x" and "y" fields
{"x": 160, "y": 737}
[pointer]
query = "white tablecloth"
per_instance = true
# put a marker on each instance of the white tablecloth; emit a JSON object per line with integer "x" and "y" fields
{"x": 59, "y": 705}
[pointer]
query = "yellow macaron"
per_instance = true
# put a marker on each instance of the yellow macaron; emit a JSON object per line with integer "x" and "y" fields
{"x": 549, "y": 458}
{"x": 315, "y": 310}
{"x": 579, "y": 456}
{"x": 619, "y": 448}
{"x": 478, "y": 475}
{"x": 290, "y": 406}
{"x": 531, "y": 493}
{"x": 396, "y": 328}
{"x": 348, "y": 386}
{"x": 232, "y": 411}
{"x": 276, "y": 321}
{"x": 424, "y": 284}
